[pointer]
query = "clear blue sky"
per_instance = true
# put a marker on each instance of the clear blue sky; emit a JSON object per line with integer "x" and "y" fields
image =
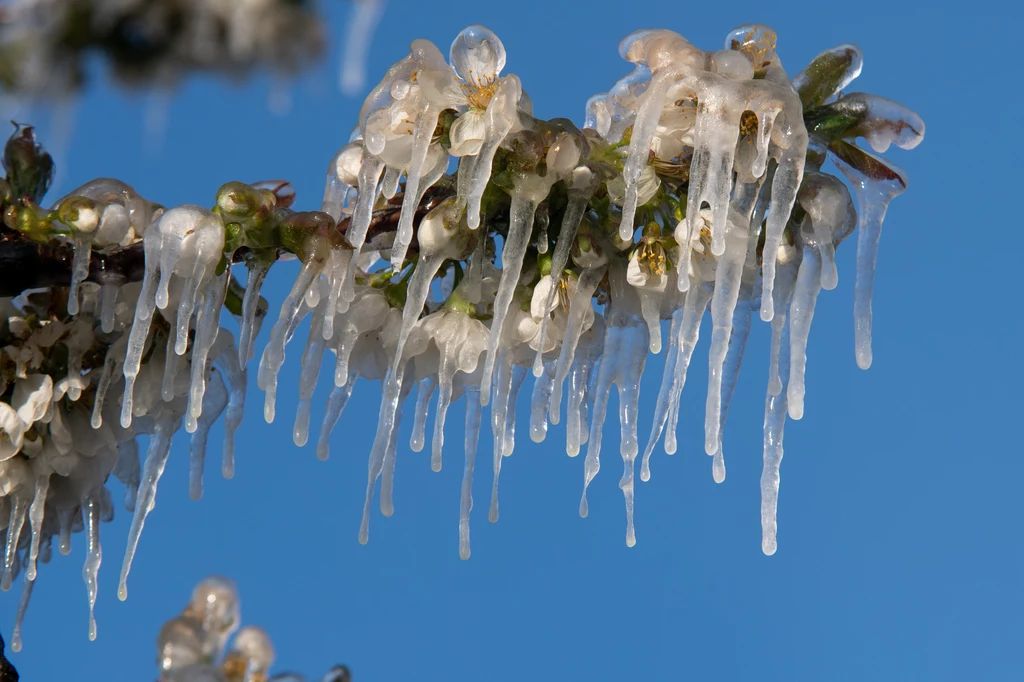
{"x": 900, "y": 552}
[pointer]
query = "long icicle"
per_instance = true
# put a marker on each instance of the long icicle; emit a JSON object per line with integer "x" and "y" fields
{"x": 473, "y": 418}
{"x": 524, "y": 206}
{"x": 156, "y": 460}
{"x": 801, "y": 312}
{"x": 93, "y": 556}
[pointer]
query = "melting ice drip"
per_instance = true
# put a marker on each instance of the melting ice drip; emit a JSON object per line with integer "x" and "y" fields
{"x": 696, "y": 185}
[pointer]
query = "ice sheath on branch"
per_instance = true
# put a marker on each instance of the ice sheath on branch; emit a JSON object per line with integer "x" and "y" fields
{"x": 697, "y": 186}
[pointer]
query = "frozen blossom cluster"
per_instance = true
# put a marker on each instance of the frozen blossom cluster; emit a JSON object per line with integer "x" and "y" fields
{"x": 45, "y": 44}
{"x": 697, "y": 184}
{"x": 194, "y": 645}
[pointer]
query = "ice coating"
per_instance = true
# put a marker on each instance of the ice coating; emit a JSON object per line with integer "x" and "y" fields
{"x": 698, "y": 183}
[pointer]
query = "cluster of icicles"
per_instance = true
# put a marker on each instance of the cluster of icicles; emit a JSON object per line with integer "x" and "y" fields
{"x": 193, "y": 646}
{"x": 580, "y": 307}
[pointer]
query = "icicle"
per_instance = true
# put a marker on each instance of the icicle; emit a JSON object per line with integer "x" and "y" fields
{"x": 416, "y": 296}
{"x": 207, "y": 325}
{"x": 312, "y": 356}
{"x": 786, "y": 277}
{"x": 79, "y": 269}
{"x": 362, "y": 214}
{"x": 622, "y": 364}
{"x": 873, "y": 197}
{"x": 715, "y": 134}
{"x": 502, "y": 113}
{"x": 156, "y": 460}
{"x": 389, "y": 185}
{"x": 35, "y": 518}
{"x": 19, "y": 508}
{"x": 579, "y": 307}
{"x": 425, "y": 389}
{"x": 416, "y": 184}
{"x": 578, "y": 197}
{"x": 214, "y": 402}
{"x": 785, "y": 184}
{"x": 526, "y": 195}
{"x": 258, "y": 270}
{"x": 445, "y": 376}
{"x": 93, "y": 556}
{"x": 273, "y": 354}
{"x": 801, "y": 310}
{"x": 389, "y": 412}
{"x": 191, "y": 294}
{"x": 503, "y": 418}
{"x": 144, "y": 308}
{"x": 27, "y": 584}
{"x": 108, "y": 305}
{"x": 127, "y": 470}
{"x": 64, "y": 522}
{"x": 734, "y": 358}
{"x": 237, "y": 381}
{"x": 648, "y": 113}
{"x": 540, "y": 403}
{"x": 335, "y": 405}
{"x": 387, "y": 479}
{"x": 677, "y": 363}
{"x": 106, "y": 376}
{"x": 723, "y": 305}
{"x": 774, "y": 425}
{"x": 337, "y": 265}
{"x": 172, "y": 366}
{"x": 576, "y": 432}
{"x": 473, "y": 415}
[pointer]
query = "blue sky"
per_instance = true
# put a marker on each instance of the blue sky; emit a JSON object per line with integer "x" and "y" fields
{"x": 900, "y": 550}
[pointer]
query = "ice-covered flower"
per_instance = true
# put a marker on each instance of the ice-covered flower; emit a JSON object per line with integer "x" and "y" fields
{"x": 648, "y": 265}
{"x": 647, "y": 186}
{"x": 12, "y": 432}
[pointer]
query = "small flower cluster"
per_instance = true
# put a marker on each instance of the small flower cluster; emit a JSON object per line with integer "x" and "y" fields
{"x": 193, "y": 646}
{"x": 696, "y": 184}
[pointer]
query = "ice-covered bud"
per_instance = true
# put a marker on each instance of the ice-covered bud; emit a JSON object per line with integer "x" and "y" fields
{"x": 586, "y": 252}
{"x": 444, "y": 231}
{"x": 32, "y": 396}
{"x": 216, "y": 606}
{"x": 477, "y": 56}
{"x": 732, "y": 64}
{"x": 253, "y": 649}
{"x": 115, "y": 227}
{"x": 599, "y": 116}
{"x": 81, "y": 214}
{"x": 563, "y": 155}
{"x": 757, "y": 42}
{"x": 308, "y": 234}
{"x": 467, "y": 133}
{"x": 179, "y": 644}
{"x": 347, "y": 163}
{"x": 12, "y": 432}
{"x": 239, "y": 200}
{"x": 830, "y": 208}
{"x": 647, "y": 186}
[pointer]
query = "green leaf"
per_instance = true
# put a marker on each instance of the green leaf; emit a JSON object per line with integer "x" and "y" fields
{"x": 869, "y": 165}
{"x": 827, "y": 74}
